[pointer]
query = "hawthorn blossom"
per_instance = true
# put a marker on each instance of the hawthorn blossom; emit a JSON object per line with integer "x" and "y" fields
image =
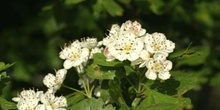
{"x": 114, "y": 33}
{"x": 157, "y": 42}
{"x": 28, "y": 100}
{"x": 89, "y": 42}
{"x": 133, "y": 27}
{"x": 53, "y": 82}
{"x": 117, "y": 31}
{"x": 51, "y": 102}
{"x": 74, "y": 55}
{"x": 124, "y": 42}
{"x": 159, "y": 67}
{"x": 93, "y": 45}
{"x": 126, "y": 48}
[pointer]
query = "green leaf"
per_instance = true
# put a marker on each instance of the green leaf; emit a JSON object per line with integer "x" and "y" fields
{"x": 6, "y": 105}
{"x": 92, "y": 104}
{"x": 180, "y": 83}
{"x": 112, "y": 7}
{"x": 116, "y": 92}
{"x": 100, "y": 72}
{"x": 100, "y": 59}
{"x": 4, "y": 66}
{"x": 72, "y": 2}
{"x": 156, "y": 6}
{"x": 124, "y": 1}
{"x": 5, "y": 85}
{"x": 74, "y": 98}
{"x": 214, "y": 81}
{"x": 187, "y": 81}
{"x": 158, "y": 101}
{"x": 193, "y": 56}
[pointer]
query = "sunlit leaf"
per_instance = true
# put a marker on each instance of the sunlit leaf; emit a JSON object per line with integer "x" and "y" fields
{"x": 6, "y": 105}
{"x": 192, "y": 56}
{"x": 156, "y": 6}
{"x": 158, "y": 101}
{"x": 113, "y": 8}
{"x": 92, "y": 104}
{"x": 100, "y": 72}
{"x": 100, "y": 59}
{"x": 4, "y": 66}
{"x": 72, "y": 2}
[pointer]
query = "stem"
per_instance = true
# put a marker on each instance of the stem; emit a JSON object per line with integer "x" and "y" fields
{"x": 131, "y": 84}
{"x": 140, "y": 79}
{"x": 73, "y": 89}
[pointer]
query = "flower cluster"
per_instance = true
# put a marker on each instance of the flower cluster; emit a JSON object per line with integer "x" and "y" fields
{"x": 128, "y": 42}
{"x": 77, "y": 53}
{"x": 131, "y": 42}
{"x": 31, "y": 100}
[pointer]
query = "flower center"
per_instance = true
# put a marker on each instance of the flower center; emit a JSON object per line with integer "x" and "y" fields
{"x": 157, "y": 67}
{"x": 75, "y": 55}
{"x": 127, "y": 47}
{"x": 157, "y": 46}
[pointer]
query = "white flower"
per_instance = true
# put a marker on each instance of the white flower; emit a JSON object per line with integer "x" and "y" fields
{"x": 113, "y": 34}
{"x": 158, "y": 65}
{"x": 74, "y": 55}
{"x": 53, "y": 82}
{"x": 51, "y": 102}
{"x": 89, "y": 42}
{"x": 144, "y": 57}
{"x": 28, "y": 100}
{"x": 128, "y": 27}
{"x": 133, "y": 27}
{"x": 157, "y": 42}
{"x": 126, "y": 48}
{"x": 108, "y": 55}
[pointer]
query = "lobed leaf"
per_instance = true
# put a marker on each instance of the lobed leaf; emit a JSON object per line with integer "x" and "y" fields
{"x": 158, "y": 101}
{"x": 100, "y": 59}
{"x": 100, "y": 72}
{"x": 6, "y": 105}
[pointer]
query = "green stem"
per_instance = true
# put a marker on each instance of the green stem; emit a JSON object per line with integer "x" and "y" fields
{"x": 73, "y": 89}
{"x": 131, "y": 84}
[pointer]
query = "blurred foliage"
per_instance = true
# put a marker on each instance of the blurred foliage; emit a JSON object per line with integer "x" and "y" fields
{"x": 32, "y": 34}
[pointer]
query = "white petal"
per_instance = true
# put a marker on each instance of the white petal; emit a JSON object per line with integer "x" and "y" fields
{"x": 61, "y": 74}
{"x": 112, "y": 51}
{"x": 121, "y": 56}
{"x": 40, "y": 107}
{"x": 151, "y": 75}
{"x": 159, "y": 37}
{"x": 139, "y": 46}
{"x": 49, "y": 80}
{"x": 16, "y": 99}
{"x": 148, "y": 39}
{"x": 159, "y": 57}
{"x": 133, "y": 56}
{"x": 150, "y": 63}
{"x": 68, "y": 64}
{"x": 60, "y": 102}
{"x": 145, "y": 55}
{"x": 169, "y": 46}
{"x": 142, "y": 32}
{"x": 143, "y": 64}
{"x": 167, "y": 65}
{"x": 85, "y": 53}
{"x": 164, "y": 75}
